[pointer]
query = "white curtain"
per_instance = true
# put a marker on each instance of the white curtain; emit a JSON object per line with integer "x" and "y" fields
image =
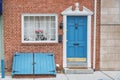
{"x": 39, "y": 28}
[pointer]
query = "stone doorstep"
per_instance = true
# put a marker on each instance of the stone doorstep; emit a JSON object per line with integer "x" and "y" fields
{"x": 78, "y": 71}
{"x": 76, "y": 64}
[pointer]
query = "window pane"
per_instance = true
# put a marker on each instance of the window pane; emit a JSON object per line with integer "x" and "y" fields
{"x": 53, "y": 37}
{"x": 39, "y": 28}
{"x": 53, "y": 18}
{"x": 26, "y": 37}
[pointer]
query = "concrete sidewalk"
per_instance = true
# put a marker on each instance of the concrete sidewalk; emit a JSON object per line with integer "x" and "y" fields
{"x": 98, "y": 75}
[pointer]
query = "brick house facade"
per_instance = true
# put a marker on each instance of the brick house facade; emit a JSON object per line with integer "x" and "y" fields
{"x": 13, "y": 10}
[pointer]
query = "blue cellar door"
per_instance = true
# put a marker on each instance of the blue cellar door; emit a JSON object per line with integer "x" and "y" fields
{"x": 22, "y": 64}
{"x": 34, "y": 64}
{"x": 77, "y": 37}
{"x": 44, "y": 64}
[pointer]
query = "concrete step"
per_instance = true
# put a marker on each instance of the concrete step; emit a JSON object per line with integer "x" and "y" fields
{"x": 78, "y": 71}
{"x": 76, "y": 64}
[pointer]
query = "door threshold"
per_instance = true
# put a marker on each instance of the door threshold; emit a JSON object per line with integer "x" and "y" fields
{"x": 76, "y": 59}
{"x": 75, "y": 67}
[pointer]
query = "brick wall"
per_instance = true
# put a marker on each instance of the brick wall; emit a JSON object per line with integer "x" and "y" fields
{"x": 12, "y": 25}
{"x": 98, "y": 35}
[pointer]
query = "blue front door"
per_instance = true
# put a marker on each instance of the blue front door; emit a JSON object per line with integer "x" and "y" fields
{"x": 76, "y": 36}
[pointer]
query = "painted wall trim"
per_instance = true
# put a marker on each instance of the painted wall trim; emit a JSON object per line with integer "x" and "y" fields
{"x": 1, "y": 40}
{"x": 77, "y": 11}
{"x": 94, "y": 50}
{"x": 69, "y": 12}
{"x": 89, "y": 41}
{"x": 1, "y": 36}
{"x": 64, "y": 41}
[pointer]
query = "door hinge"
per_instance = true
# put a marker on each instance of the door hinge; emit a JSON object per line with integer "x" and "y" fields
{"x": 14, "y": 71}
{"x": 50, "y": 54}
{"x": 52, "y": 71}
{"x": 16, "y": 55}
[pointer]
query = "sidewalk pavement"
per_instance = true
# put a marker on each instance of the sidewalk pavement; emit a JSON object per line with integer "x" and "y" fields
{"x": 98, "y": 75}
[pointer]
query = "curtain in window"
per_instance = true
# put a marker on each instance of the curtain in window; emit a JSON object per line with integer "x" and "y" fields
{"x": 39, "y": 28}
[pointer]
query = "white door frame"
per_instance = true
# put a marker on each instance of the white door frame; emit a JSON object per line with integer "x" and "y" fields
{"x": 69, "y": 12}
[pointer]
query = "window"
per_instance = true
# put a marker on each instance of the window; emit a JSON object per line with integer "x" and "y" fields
{"x": 38, "y": 28}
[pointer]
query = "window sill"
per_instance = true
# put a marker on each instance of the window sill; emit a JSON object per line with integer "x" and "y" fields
{"x": 39, "y": 42}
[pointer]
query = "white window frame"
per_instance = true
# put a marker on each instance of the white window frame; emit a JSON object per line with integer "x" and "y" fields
{"x": 56, "y": 25}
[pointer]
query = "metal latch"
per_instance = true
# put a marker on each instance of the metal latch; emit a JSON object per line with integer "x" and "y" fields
{"x": 33, "y": 63}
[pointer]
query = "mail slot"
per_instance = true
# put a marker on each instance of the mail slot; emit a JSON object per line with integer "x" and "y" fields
{"x": 76, "y": 44}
